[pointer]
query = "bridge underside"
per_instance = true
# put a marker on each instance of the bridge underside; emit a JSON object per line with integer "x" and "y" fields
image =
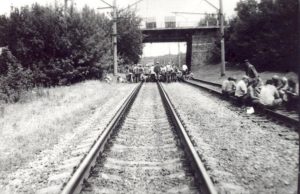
{"x": 188, "y": 35}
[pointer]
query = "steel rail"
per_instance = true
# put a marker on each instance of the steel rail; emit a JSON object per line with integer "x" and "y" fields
{"x": 214, "y": 91}
{"x": 74, "y": 185}
{"x": 204, "y": 182}
{"x": 265, "y": 111}
{"x": 207, "y": 82}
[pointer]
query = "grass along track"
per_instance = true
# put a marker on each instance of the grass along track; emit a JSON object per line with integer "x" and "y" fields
{"x": 58, "y": 119}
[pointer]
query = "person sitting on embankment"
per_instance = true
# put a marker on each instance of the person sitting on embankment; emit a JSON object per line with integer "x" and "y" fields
{"x": 269, "y": 95}
{"x": 228, "y": 87}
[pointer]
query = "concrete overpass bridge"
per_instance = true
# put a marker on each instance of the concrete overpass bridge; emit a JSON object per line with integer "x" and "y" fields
{"x": 199, "y": 40}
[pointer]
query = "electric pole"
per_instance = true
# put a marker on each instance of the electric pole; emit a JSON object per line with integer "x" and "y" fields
{"x": 221, "y": 24}
{"x": 221, "y": 15}
{"x": 169, "y": 55}
{"x": 114, "y": 34}
{"x": 179, "y": 55}
{"x": 298, "y": 90}
{"x": 115, "y": 38}
{"x": 11, "y": 8}
{"x": 66, "y": 7}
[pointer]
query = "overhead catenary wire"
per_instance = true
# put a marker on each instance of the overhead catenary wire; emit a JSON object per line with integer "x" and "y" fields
{"x": 131, "y": 5}
{"x": 191, "y": 13}
{"x": 107, "y": 3}
{"x": 103, "y": 7}
{"x": 211, "y": 4}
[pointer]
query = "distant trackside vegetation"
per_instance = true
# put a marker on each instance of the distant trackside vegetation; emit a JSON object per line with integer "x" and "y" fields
{"x": 46, "y": 46}
{"x": 265, "y": 32}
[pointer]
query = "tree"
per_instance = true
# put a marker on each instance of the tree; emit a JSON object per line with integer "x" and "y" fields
{"x": 209, "y": 20}
{"x": 3, "y": 30}
{"x": 59, "y": 49}
{"x": 264, "y": 33}
{"x": 48, "y": 47}
{"x": 130, "y": 38}
{"x": 14, "y": 79}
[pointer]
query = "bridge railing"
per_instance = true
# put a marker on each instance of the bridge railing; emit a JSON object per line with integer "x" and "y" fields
{"x": 169, "y": 25}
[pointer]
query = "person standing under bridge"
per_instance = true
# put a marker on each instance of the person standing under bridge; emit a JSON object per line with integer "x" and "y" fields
{"x": 157, "y": 70}
{"x": 173, "y": 74}
{"x": 184, "y": 70}
{"x": 169, "y": 70}
{"x": 152, "y": 73}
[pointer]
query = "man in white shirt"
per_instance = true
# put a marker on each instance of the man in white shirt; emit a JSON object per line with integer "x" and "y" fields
{"x": 169, "y": 70}
{"x": 269, "y": 95}
{"x": 241, "y": 90}
{"x": 228, "y": 87}
{"x": 184, "y": 70}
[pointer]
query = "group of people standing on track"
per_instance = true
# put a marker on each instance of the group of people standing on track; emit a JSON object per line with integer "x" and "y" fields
{"x": 252, "y": 91}
{"x": 157, "y": 72}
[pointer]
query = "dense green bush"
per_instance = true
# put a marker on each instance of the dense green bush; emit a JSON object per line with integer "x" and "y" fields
{"x": 51, "y": 47}
{"x": 14, "y": 79}
{"x": 265, "y": 33}
{"x": 62, "y": 49}
{"x": 130, "y": 40}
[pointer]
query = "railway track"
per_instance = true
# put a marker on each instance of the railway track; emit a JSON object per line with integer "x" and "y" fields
{"x": 145, "y": 149}
{"x": 284, "y": 116}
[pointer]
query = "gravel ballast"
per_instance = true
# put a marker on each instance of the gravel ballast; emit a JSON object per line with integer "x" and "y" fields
{"x": 143, "y": 156}
{"x": 243, "y": 154}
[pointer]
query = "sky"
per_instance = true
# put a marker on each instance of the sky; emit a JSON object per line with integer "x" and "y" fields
{"x": 159, "y": 9}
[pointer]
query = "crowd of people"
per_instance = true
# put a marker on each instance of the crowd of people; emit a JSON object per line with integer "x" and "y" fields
{"x": 157, "y": 72}
{"x": 252, "y": 91}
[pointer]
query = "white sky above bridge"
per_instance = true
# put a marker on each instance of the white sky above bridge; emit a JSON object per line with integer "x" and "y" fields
{"x": 146, "y": 8}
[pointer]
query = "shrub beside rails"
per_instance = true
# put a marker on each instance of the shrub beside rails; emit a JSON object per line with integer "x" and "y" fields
{"x": 48, "y": 46}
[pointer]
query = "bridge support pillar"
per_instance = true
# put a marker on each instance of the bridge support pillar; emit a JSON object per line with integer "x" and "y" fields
{"x": 202, "y": 49}
{"x": 189, "y": 51}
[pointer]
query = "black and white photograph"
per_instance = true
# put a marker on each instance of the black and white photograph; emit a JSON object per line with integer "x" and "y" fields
{"x": 149, "y": 96}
